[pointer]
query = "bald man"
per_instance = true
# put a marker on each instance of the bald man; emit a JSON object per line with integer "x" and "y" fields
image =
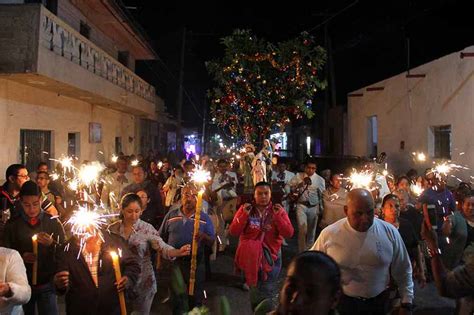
{"x": 369, "y": 252}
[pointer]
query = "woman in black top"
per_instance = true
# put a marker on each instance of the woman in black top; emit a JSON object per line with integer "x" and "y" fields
{"x": 391, "y": 214}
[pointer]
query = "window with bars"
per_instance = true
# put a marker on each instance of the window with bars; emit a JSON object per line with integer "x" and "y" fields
{"x": 442, "y": 141}
{"x": 35, "y": 147}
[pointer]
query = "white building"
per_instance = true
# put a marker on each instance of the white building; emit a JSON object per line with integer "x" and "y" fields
{"x": 67, "y": 82}
{"x": 429, "y": 110}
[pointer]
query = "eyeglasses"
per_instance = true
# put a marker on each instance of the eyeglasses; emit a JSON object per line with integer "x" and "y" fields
{"x": 23, "y": 176}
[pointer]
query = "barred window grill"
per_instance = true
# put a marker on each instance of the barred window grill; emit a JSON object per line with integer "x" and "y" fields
{"x": 442, "y": 142}
{"x": 35, "y": 147}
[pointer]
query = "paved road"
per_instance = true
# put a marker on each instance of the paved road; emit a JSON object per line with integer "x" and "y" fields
{"x": 225, "y": 282}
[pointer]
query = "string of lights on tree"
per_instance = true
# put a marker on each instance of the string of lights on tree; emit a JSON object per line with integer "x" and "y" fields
{"x": 261, "y": 87}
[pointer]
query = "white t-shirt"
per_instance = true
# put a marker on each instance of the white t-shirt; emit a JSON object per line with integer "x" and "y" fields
{"x": 368, "y": 258}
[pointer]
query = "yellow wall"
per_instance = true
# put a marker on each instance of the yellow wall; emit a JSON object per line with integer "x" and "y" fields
{"x": 25, "y": 107}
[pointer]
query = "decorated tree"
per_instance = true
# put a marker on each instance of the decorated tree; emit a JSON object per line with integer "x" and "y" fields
{"x": 261, "y": 86}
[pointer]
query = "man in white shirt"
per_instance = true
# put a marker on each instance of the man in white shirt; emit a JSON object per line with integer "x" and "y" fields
{"x": 224, "y": 198}
{"x": 307, "y": 188}
{"x": 282, "y": 177}
{"x": 334, "y": 199}
{"x": 14, "y": 288}
{"x": 369, "y": 252}
{"x": 114, "y": 184}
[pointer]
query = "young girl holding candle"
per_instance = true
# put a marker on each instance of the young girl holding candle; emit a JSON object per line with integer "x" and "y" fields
{"x": 142, "y": 238}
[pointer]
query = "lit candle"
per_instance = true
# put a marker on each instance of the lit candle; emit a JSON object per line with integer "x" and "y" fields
{"x": 197, "y": 217}
{"x": 118, "y": 276}
{"x": 34, "y": 277}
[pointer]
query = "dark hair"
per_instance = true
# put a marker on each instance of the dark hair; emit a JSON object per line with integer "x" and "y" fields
{"x": 333, "y": 175}
{"x": 412, "y": 173}
{"x": 188, "y": 163}
{"x": 387, "y": 197}
{"x": 122, "y": 158}
{"x": 41, "y": 164}
{"x": 310, "y": 161}
{"x": 261, "y": 184}
{"x": 42, "y": 172}
{"x": 13, "y": 170}
{"x": 399, "y": 179}
{"x": 323, "y": 264}
{"x": 466, "y": 196}
{"x": 220, "y": 161}
{"x": 29, "y": 188}
{"x": 128, "y": 199}
{"x": 140, "y": 165}
{"x": 462, "y": 191}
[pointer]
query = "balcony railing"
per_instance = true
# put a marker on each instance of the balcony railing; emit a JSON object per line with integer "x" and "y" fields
{"x": 59, "y": 37}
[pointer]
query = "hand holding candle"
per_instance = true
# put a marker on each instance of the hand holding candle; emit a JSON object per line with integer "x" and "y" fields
{"x": 34, "y": 277}
{"x": 200, "y": 177}
{"x": 121, "y": 282}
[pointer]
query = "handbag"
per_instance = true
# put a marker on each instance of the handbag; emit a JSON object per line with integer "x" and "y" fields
{"x": 267, "y": 254}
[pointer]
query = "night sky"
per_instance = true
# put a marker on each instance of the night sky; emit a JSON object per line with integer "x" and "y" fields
{"x": 369, "y": 38}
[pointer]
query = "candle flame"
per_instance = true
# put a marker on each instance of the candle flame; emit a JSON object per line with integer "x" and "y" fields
{"x": 34, "y": 237}
{"x": 114, "y": 255}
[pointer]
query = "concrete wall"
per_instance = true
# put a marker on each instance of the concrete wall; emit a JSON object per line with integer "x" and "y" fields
{"x": 408, "y": 107}
{"x": 71, "y": 15}
{"x": 24, "y": 107}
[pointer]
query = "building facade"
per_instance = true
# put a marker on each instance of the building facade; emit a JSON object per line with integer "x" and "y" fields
{"x": 67, "y": 83}
{"x": 429, "y": 110}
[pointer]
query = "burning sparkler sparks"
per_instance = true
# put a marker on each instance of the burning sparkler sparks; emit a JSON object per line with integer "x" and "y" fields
{"x": 134, "y": 163}
{"x": 200, "y": 176}
{"x": 362, "y": 179}
{"x": 160, "y": 164}
{"x": 420, "y": 156}
{"x": 85, "y": 222}
{"x": 114, "y": 158}
{"x": 66, "y": 163}
{"x": 417, "y": 190}
{"x": 90, "y": 173}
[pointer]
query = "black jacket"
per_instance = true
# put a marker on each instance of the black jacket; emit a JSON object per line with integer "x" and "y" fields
{"x": 82, "y": 296}
{"x": 18, "y": 234}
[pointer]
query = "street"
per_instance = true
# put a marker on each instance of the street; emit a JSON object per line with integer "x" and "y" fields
{"x": 225, "y": 282}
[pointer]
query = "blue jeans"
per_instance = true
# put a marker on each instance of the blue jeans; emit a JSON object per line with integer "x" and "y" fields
{"x": 45, "y": 298}
{"x": 268, "y": 288}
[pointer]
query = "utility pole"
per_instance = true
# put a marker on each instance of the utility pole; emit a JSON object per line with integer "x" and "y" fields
{"x": 179, "y": 102}
{"x": 203, "y": 136}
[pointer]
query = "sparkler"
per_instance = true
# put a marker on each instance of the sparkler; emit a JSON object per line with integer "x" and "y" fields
{"x": 114, "y": 158}
{"x": 160, "y": 164}
{"x": 89, "y": 173}
{"x": 420, "y": 156}
{"x": 86, "y": 223}
{"x": 199, "y": 177}
{"x": 134, "y": 163}
{"x": 362, "y": 179}
{"x": 416, "y": 189}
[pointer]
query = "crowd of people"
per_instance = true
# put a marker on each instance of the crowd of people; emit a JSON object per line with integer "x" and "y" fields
{"x": 362, "y": 250}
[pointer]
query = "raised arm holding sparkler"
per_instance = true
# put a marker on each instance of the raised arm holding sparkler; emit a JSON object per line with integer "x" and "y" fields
{"x": 188, "y": 225}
